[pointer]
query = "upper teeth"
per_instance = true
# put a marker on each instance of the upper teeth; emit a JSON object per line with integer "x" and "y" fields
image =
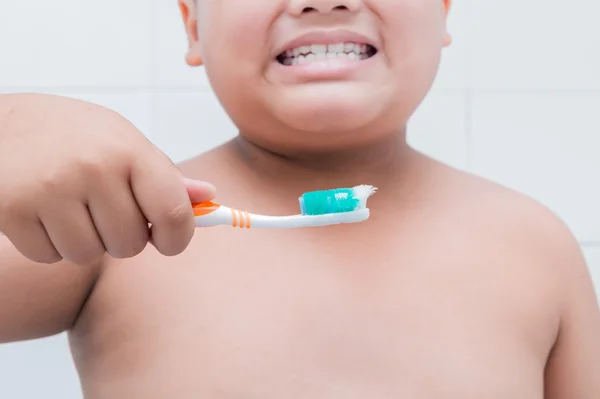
{"x": 322, "y": 51}
{"x": 327, "y": 48}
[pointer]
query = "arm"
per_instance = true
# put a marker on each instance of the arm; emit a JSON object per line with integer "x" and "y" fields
{"x": 38, "y": 300}
{"x": 573, "y": 369}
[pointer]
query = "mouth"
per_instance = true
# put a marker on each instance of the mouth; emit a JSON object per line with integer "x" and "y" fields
{"x": 352, "y": 51}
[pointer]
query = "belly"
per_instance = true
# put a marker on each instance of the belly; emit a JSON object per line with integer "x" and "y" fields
{"x": 286, "y": 332}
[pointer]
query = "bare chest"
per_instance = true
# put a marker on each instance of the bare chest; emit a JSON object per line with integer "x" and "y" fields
{"x": 272, "y": 324}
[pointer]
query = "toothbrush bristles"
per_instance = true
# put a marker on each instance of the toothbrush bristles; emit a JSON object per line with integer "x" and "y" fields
{"x": 336, "y": 201}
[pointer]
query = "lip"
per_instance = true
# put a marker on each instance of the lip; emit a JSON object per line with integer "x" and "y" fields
{"x": 326, "y": 37}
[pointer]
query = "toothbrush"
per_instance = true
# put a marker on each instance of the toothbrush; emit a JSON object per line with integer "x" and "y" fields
{"x": 318, "y": 208}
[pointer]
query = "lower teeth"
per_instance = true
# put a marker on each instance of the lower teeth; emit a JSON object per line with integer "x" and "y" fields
{"x": 302, "y": 59}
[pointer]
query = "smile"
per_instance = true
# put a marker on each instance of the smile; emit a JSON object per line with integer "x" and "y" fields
{"x": 320, "y": 52}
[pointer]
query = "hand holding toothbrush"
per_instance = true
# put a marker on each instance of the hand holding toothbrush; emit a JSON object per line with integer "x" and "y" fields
{"x": 78, "y": 181}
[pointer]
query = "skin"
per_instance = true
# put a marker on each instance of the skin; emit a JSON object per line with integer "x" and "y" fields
{"x": 454, "y": 288}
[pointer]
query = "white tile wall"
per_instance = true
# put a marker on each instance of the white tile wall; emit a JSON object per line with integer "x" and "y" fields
{"x": 515, "y": 101}
{"x": 189, "y": 123}
{"x": 170, "y": 49}
{"x": 547, "y": 146}
{"x": 534, "y": 44}
{"x": 438, "y": 127}
{"x": 453, "y": 69}
{"x": 74, "y": 43}
{"x": 38, "y": 369}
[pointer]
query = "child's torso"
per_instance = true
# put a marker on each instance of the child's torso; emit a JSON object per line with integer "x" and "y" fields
{"x": 325, "y": 313}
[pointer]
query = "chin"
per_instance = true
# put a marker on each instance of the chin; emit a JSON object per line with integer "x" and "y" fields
{"x": 329, "y": 113}
{"x": 326, "y": 124}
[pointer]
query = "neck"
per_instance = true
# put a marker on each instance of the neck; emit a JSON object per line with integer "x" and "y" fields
{"x": 387, "y": 165}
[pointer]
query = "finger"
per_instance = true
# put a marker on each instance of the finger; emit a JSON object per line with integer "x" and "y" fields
{"x": 199, "y": 191}
{"x": 73, "y": 233}
{"x": 119, "y": 220}
{"x": 32, "y": 241}
{"x": 163, "y": 199}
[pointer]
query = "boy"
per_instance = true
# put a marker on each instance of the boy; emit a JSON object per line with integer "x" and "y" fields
{"x": 455, "y": 288}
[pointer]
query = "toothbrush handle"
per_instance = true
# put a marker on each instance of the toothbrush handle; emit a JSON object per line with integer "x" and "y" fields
{"x": 209, "y": 214}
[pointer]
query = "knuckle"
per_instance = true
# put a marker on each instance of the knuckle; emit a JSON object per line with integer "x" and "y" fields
{"x": 91, "y": 166}
{"x": 120, "y": 152}
{"x": 105, "y": 158}
{"x": 50, "y": 183}
{"x": 177, "y": 216}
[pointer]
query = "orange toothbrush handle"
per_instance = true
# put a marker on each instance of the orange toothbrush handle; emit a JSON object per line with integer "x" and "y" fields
{"x": 205, "y": 208}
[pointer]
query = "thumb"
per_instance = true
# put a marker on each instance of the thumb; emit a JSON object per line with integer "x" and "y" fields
{"x": 199, "y": 191}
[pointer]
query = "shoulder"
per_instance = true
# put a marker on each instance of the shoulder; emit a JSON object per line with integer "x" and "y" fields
{"x": 550, "y": 265}
{"x": 208, "y": 165}
{"x": 520, "y": 223}
{"x": 521, "y": 215}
